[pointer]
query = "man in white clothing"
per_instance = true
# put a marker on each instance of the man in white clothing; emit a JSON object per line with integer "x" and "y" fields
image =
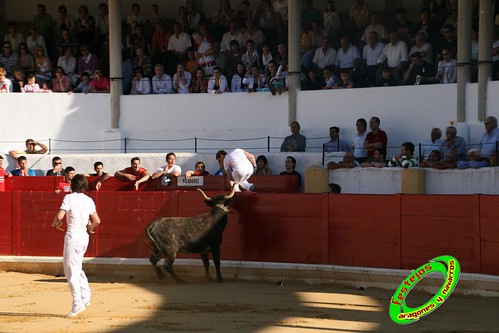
{"x": 80, "y": 211}
{"x": 435, "y": 143}
{"x": 239, "y": 165}
{"x": 325, "y": 55}
{"x": 161, "y": 83}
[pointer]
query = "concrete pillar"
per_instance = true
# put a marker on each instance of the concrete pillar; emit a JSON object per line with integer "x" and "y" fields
{"x": 316, "y": 179}
{"x": 294, "y": 55}
{"x": 463, "y": 56}
{"x": 485, "y": 40}
{"x": 115, "y": 70}
{"x": 413, "y": 181}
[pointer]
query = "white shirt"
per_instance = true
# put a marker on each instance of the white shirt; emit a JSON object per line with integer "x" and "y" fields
{"x": 170, "y": 170}
{"x": 183, "y": 88}
{"x": 142, "y": 86}
{"x": 428, "y": 146}
{"x": 379, "y": 28}
{"x": 162, "y": 85}
{"x": 223, "y": 85}
{"x": 395, "y": 54}
{"x": 228, "y": 37}
{"x": 448, "y": 70}
{"x": 180, "y": 43}
{"x": 371, "y": 55}
{"x": 236, "y": 161}
{"x": 346, "y": 59}
{"x": 236, "y": 84}
{"x": 323, "y": 59}
{"x": 358, "y": 143}
{"x": 78, "y": 209}
{"x": 426, "y": 50}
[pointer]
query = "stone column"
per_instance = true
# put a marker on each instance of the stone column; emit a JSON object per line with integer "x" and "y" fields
{"x": 115, "y": 61}
{"x": 463, "y": 56}
{"x": 485, "y": 41}
{"x": 294, "y": 65}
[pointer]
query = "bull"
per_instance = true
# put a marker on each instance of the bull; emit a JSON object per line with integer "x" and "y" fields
{"x": 197, "y": 234}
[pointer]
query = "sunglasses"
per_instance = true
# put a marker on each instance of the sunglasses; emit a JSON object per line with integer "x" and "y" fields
{"x": 57, "y": 163}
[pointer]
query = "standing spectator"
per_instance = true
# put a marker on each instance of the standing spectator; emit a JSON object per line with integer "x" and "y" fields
{"x": 332, "y": 23}
{"x": 447, "y": 68}
{"x": 394, "y": 56}
{"x": 404, "y": 27}
{"x": 140, "y": 84}
{"x": 161, "y": 82}
{"x": 100, "y": 84}
{"x": 64, "y": 21}
{"x": 61, "y": 82}
{"x": 335, "y": 144}
{"x": 30, "y": 149}
{"x": 290, "y": 166}
{"x": 23, "y": 170}
{"x": 85, "y": 27}
{"x": 262, "y": 166}
{"x": 376, "y": 138}
{"x": 490, "y": 137}
{"x": 238, "y": 166}
{"x": 194, "y": 16}
{"x": 5, "y": 83}
{"x": 80, "y": 210}
{"x": 14, "y": 37}
{"x": 435, "y": 143}
{"x": 454, "y": 144}
{"x": 57, "y": 169}
{"x": 406, "y": 158}
{"x": 295, "y": 141}
{"x": 135, "y": 173}
{"x": 169, "y": 170}
{"x": 181, "y": 80}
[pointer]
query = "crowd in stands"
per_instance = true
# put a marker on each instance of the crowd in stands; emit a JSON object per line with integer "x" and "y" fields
{"x": 239, "y": 49}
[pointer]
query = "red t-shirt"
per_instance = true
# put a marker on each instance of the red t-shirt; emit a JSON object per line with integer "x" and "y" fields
{"x": 2, "y": 179}
{"x": 137, "y": 175}
{"x": 64, "y": 187}
{"x": 380, "y": 136}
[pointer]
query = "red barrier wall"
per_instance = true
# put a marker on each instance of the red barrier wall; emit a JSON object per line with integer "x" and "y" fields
{"x": 388, "y": 231}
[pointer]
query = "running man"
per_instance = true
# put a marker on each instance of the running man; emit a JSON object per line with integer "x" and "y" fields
{"x": 239, "y": 165}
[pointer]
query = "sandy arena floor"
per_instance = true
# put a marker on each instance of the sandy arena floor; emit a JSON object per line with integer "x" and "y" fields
{"x": 38, "y": 303}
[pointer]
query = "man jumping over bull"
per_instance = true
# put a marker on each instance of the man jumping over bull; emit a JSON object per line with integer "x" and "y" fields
{"x": 239, "y": 165}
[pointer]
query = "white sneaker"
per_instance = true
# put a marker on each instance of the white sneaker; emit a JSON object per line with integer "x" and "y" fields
{"x": 76, "y": 312}
{"x": 87, "y": 303}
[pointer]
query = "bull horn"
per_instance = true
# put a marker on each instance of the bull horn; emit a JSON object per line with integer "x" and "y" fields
{"x": 231, "y": 193}
{"x": 204, "y": 194}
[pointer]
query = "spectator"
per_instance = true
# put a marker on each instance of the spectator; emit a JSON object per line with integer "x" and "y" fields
{"x": 419, "y": 71}
{"x": 403, "y": 27}
{"x": 374, "y": 26}
{"x": 335, "y": 144}
{"x": 220, "y": 159}
{"x": 84, "y": 85}
{"x": 100, "y": 84}
{"x": 194, "y": 16}
{"x": 178, "y": 45}
{"x": 138, "y": 40}
{"x": 217, "y": 84}
{"x": 5, "y": 83}
{"x": 239, "y": 165}
{"x": 222, "y": 17}
{"x": 359, "y": 17}
{"x": 427, "y": 26}
{"x": 358, "y": 141}
{"x": 449, "y": 40}
{"x": 134, "y": 18}
{"x": 262, "y": 167}
{"x": 282, "y": 54}
{"x": 475, "y": 160}
{"x": 243, "y": 13}
{"x": 34, "y": 40}
{"x": 46, "y": 87}
{"x": 451, "y": 19}
{"x": 135, "y": 173}
{"x": 378, "y": 160}
{"x": 370, "y": 54}
{"x": 313, "y": 81}
{"x": 295, "y": 141}
{"x": 236, "y": 83}
{"x": 85, "y": 26}
{"x": 332, "y": 23}
{"x": 140, "y": 84}
{"x": 14, "y": 37}
{"x": 43, "y": 65}
{"x": 161, "y": 82}
{"x": 156, "y": 17}
{"x": 454, "y": 144}
{"x": 199, "y": 170}
{"x": 160, "y": 40}
{"x": 281, "y": 10}
{"x": 18, "y": 81}
{"x": 406, "y": 159}
{"x": 348, "y": 162}
{"x": 64, "y": 41}
{"x": 345, "y": 80}
{"x": 26, "y": 61}
{"x": 8, "y": 59}
{"x": 204, "y": 53}
{"x": 493, "y": 159}
{"x": 234, "y": 34}
{"x": 199, "y": 82}
{"x": 23, "y": 170}
{"x": 88, "y": 62}
{"x": 181, "y": 80}
{"x": 57, "y": 169}
{"x": 449, "y": 162}
{"x": 192, "y": 63}
{"x": 144, "y": 61}
{"x": 423, "y": 47}
{"x": 30, "y": 149}
{"x": 290, "y": 166}
{"x": 182, "y": 18}
{"x": 386, "y": 79}
{"x": 267, "y": 56}
{"x": 447, "y": 68}
{"x": 250, "y": 57}
{"x": 65, "y": 186}
{"x": 234, "y": 56}
{"x": 31, "y": 86}
{"x": 329, "y": 79}
{"x": 325, "y": 55}
{"x": 43, "y": 24}
{"x": 99, "y": 172}
{"x": 334, "y": 188}
{"x": 435, "y": 143}
{"x": 68, "y": 63}
{"x": 102, "y": 22}
{"x": 266, "y": 18}
{"x": 348, "y": 56}
{"x": 394, "y": 56}
{"x": 310, "y": 14}
{"x": 276, "y": 78}
{"x": 376, "y": 138}
{"x": 433, "y": 160}
{"x": 169, "y": 170}
{"x": 255, "y": 81}
{"x": 252, "y": 33}
{"x": 2, "y": 171}
{"x": 490, "y": 137}
{"x": 61, "y": 82}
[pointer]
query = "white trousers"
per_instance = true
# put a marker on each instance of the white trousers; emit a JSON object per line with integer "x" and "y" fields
{"x": 75, "y": 247}
{"x": 241, "y": 176}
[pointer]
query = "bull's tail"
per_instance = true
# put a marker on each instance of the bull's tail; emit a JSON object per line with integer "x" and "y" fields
{"x": 151, "y": 238}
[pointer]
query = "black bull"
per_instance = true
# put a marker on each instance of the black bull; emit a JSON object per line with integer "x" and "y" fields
{"x": 196, "y": 234}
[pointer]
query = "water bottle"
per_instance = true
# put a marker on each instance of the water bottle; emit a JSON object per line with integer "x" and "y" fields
{"x": 418, "y": 80}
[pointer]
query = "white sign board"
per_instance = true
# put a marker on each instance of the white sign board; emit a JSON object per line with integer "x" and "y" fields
{"x": 192, "y": 181}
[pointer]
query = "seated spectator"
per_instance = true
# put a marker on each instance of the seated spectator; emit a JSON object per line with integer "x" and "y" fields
{"x": 370, "y": 55}
{"x": 345, "y": 80}
{"x": 88, "y": 62}
{"x": 43, "y": 71}
{"x": 234, "y": 34}
{"x": 423, "y": 47}
{"x": 220, "y": 156}
{"x": 324, "y": 55}
{"x": 169, "y": 170}
{"x": 99, "y": 172}
{"x": 490, "y": 137}
{"x": 493, "y": 160}
{"x": 406, "y": 158}
{"x": 2, "y": 171}
{"x": 262, "y": 166}
{"x": 61, "y": 82}
{"x": 234, "y": 57}
{"x": 454, "y": 143}
{"x": 335, "y": 144}
{"x": 404, "y": 27}
{"x": 427, "y": 26}
{"x": 433, "y": 160}
{"x": 23, "y": 169}
{"x": 68, "y": 63}
{"x": 138, "y": 40}
{"x": 135, "y": 173}
{"x": 348, "y": 55}
{"x": 290, "y": 166}
{"x": 435, "y": 143}
{"x": 378, "y": 160}
{"x": 332, "y": 23}
{"x": 191, "y": 65}
{"x": 30, "y": 149}
{"x": 449, "y": 162}
{"x": 161, "y": 82}
{"x": 178, "y": 44}
{"x": 84, "y": 85}
{"x": 14, "y": 37}
{"x": 199, "y": 82}
{"x": 31, "y": 86}
{"x": 329, "y": 78}
{"x": 295, "y": 141}
{"x": 334, "y": 188}
{"x": 217, "y": 84}
{"x": 386, "y": 79}
{"x": 140, "y": 84}
{"x": 204, "y": 53}
{"x": 181, "y": 80}
{"x": 18, "y": 81}
{"x": 199, "y": 170}
{"x": 26, "y": 62}
{"x": 419, "y": 71}
{"x": 475, "y": 160}
{"x": 374, "y": 26}
{"x": 267, "y": 56}
{"x": 143, "y": 60}
{"x": 160, "y": 39}
{"x": 250, "y": 57}
{"x": 255, "y": 81}
{"x": 447, "y": 67}
{"x": 65, "y": 186}
{"x": 394, "y": 56}
{"x": 66, "y": 40}
{"x": 34, "y": 40}
{"x": 252, "y": 33}
{"x": 312, "y": 81}
{"x": 46, "y": 87}
{"x": 348, "y": 162}
{"x": 5, "y": 83}
{"x": 276, "y": 79}
{"x": 57, "y": 169}
{"x": 236, "y": 83}
{"x": 100, "y": 84}
{"x": 8, "y": 59}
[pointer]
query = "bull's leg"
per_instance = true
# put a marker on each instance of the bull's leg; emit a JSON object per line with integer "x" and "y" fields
{"x": 169, "y": 259}
{"x": 154, "y": 260}
{"x": 206, "y": 264}
{"x": 215, "y": 251}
